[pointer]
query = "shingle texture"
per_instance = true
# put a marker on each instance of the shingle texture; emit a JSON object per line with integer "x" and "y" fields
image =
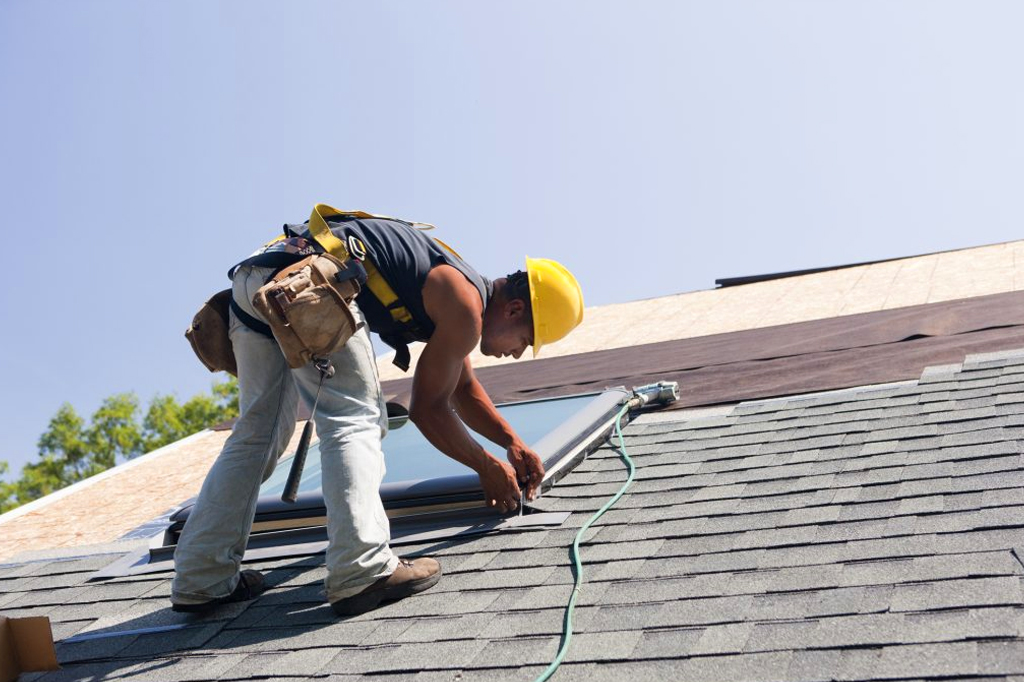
{"x": 870, "y": 534}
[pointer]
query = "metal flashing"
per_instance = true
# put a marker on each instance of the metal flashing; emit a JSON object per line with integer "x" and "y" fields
{"x": 160, "y": 629}
{"x": 724, "y": 282}
{"x": 307, "y": 541}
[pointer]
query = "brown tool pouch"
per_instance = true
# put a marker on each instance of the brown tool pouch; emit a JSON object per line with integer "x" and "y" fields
{"x": 307, "y": 307}
{"x": 208, "y": 334}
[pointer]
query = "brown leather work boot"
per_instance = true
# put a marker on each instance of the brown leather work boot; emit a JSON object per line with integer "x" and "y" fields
{"x": 409, "y": 578}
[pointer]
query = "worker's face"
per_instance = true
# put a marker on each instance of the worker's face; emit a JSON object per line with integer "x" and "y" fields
{"x": 507, "y": 332}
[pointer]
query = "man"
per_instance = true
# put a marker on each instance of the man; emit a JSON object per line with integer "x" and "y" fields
{"x": 417, "y": 290}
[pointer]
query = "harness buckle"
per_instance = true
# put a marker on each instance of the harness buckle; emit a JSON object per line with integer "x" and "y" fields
{"x": 356, "y": 249}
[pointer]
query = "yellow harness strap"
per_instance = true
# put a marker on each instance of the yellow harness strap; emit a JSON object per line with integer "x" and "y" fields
{"x": 322, "y": 233}
{"x": 381, "y": 290}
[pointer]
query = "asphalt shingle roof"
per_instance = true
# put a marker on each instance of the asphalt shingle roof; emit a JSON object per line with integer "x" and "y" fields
{"x": 874, "y": 533}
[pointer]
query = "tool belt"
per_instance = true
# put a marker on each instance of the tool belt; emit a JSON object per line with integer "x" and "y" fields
{"x": 208, "y": 334}
{"x": 309, "y": 317}
{"x": 307, "y": 306}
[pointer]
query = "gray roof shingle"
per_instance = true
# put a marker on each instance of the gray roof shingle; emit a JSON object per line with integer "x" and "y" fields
{"x": 864, "y": 534}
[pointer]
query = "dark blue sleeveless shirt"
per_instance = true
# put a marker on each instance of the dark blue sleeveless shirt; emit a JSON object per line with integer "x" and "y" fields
{"x": 404, "y": 256}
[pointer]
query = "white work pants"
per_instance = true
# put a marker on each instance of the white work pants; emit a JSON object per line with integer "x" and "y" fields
{"x": 350, "y": 421}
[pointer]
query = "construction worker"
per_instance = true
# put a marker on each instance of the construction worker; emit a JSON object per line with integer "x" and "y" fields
{"x": 430, "y": 294}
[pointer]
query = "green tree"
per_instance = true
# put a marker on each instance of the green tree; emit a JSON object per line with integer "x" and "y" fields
{"x": 71, "y": 450}
{"x": 112, "y": 434}
{"x": 8, "y": 491}
{"x": 167, "y": 420}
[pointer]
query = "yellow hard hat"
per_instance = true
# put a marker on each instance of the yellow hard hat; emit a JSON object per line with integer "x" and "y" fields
{"x": 556, "y": 299}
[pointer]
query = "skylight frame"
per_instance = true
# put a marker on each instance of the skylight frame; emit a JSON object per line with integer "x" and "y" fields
{"x": 560, "y": 449}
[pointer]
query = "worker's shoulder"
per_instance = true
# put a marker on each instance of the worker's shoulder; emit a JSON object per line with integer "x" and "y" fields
{"x": 448, "y": 293}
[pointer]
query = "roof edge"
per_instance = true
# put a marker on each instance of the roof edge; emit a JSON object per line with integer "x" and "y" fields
{"x": 57, "y": 495}
{"x": 726, "y": 282}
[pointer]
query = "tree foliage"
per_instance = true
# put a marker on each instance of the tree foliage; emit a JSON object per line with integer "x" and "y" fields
{"x": 71, "y": 450}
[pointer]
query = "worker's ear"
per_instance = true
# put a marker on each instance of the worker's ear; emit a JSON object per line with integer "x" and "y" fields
{"x": 515, "y": 309}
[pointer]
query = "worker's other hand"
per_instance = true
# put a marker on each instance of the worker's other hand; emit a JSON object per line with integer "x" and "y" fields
{"x": 528, "y": 465}
{"x": 499, "y": 483}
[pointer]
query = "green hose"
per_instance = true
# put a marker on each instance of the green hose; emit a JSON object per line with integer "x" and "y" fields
{"x": 577, "y": 563}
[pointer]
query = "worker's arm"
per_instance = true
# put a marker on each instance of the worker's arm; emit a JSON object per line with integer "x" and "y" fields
{"x": 475, "y": 408}
{"x": 454, "y": 306}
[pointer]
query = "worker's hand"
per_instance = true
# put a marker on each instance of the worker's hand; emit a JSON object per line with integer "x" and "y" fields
{"x": 528, "y": 465}
{"x": 499, "y": 483}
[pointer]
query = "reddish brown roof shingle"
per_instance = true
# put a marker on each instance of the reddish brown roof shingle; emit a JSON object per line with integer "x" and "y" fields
{"x": 840, "y": 352}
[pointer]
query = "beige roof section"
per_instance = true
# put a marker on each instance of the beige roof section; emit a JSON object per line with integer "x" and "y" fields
{"x": 896, "y": 284}
{"x": 105, "y": 507}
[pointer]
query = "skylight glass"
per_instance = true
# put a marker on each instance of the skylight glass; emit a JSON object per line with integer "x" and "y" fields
{"x": 422, "y": 481}
{"x": 410, "y": 457}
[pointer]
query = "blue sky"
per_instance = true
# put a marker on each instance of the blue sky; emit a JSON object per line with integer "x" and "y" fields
{"x": 650, "y": 146}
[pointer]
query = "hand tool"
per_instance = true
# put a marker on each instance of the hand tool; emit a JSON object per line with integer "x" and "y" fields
{"x": 291, "y": 488}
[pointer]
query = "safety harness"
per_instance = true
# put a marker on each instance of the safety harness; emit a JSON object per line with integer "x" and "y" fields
{"x": 375, "y": 282}
{"x": 284, "y": 250}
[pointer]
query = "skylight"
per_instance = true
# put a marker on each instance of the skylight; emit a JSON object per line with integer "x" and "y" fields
{"x": 420, "y": 480}
{"x": 410, "y": 458}
{"x": 427, "y": 495}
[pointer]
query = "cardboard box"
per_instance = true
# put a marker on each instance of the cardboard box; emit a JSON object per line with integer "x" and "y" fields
{"x": 26, "y": 645}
